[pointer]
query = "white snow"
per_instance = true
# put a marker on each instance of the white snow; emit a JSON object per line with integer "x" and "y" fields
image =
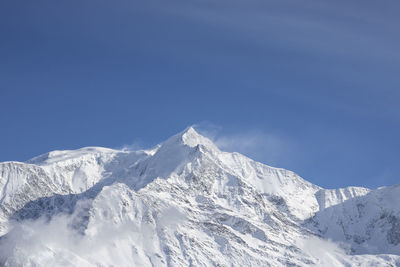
{"x": 186, "y": 203}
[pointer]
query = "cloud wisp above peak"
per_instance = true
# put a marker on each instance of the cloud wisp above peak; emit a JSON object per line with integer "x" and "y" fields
{"x": 268, "y": 148}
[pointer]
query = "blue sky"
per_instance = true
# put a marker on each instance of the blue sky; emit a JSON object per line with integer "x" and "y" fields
{"x": 311, "y": 86}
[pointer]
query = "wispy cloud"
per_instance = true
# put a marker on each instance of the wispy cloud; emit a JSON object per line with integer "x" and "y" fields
{"x": 269, "y": 148}
{"x": 325, "y": 252}
{"x": 136, "y": 144}
{"x": 320, "y": 45}
{"x": 57, "y": 240}
{"x": 262, "y": 146}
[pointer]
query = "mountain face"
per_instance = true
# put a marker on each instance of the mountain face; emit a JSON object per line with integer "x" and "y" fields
{"x": 186, "y": 203}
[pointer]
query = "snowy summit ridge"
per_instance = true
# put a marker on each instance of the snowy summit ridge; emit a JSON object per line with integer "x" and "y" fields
{"x": 191, "y": 138}
{"x": 186, "y": 203}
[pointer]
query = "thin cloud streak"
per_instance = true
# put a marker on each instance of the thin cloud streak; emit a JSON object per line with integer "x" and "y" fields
{"x": 268, "y": 148}
{"x": 345, "y": 57}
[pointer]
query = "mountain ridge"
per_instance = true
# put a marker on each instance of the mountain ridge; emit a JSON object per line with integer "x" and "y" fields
{"x": 184, "y": 193}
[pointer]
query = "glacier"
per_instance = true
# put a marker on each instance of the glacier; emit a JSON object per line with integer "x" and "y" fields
{"x": 186, "y": 203}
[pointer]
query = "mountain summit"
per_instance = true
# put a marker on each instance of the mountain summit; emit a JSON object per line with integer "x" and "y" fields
{"x": 191, "y": 138}
{"x": 186, "y": 203}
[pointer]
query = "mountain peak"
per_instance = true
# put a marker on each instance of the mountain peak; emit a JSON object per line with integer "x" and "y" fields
{"x": 192, "y": 138}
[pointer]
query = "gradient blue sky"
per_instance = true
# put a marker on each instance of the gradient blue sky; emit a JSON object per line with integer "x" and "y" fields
{"x": 311, "y": 86}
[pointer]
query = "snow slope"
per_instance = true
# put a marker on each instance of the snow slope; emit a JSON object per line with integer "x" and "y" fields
{"x": 186, "y": 203}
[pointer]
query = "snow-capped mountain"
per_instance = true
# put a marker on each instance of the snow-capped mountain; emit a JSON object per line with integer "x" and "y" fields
{"x": 186, "y": 203}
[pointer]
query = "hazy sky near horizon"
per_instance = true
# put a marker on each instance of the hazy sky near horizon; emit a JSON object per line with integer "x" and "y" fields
{"x": 310, "y": 86}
